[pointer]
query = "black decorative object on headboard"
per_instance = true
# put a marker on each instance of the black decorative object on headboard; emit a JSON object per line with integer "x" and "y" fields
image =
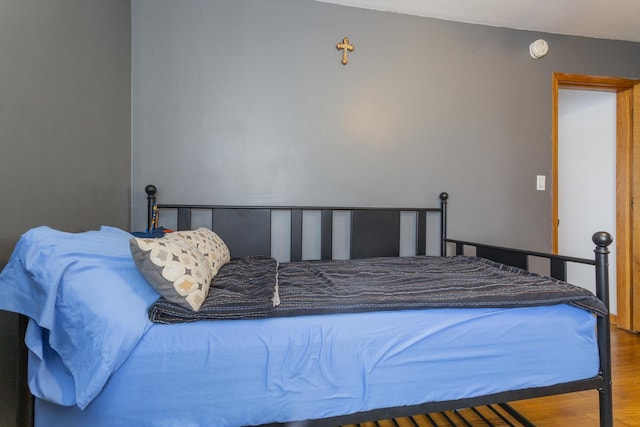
{"x": 152, "y": 207}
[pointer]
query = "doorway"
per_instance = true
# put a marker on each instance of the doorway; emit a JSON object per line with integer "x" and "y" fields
{"x": 586, "y": 167}
{"x": 627, "y": 187}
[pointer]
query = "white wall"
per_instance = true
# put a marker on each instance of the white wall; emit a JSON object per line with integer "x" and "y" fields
{"x": 586, "y": 179}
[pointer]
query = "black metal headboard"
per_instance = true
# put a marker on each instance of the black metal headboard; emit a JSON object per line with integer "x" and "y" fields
{"x": 247, "y": 229}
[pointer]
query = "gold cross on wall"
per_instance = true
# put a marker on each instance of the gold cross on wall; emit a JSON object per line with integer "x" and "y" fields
{"x": 345, "y": 47}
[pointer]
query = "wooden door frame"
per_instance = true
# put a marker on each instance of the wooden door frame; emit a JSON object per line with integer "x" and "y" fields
{"x": 625, "y": 190}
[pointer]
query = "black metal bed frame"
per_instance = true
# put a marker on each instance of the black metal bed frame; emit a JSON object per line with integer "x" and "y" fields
{"x": 247, "y": 231}
{"x": 233, "y": 221}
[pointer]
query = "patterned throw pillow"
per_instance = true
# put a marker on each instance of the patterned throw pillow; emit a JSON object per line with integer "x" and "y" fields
{"x": 181, "y": 265}
{"x": 209, "y": 244}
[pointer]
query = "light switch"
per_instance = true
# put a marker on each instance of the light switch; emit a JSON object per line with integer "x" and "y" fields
{"x": 540, "y": 182}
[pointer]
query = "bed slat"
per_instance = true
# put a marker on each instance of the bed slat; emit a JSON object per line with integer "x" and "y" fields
{"x": 558, "y": 269}
{"x": 375, "y": 233}
{"x": 296, "y": 235}
{"x": 184, "y": 218}
{"x": 326, "y": 232}
{"x": 245, "y": 231}
{"x": 495, "y": 415}
{"x": 507, "y": 257}
{"x": 421, "y": 237}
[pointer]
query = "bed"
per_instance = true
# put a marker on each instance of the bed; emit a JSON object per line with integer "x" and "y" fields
{"x": 105, "y": 350}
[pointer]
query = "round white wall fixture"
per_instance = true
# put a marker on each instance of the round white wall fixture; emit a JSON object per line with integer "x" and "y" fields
{"x": 538, "y": 48}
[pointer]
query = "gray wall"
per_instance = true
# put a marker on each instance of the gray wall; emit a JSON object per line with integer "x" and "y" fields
{"x": 65, "y": 129}
{"x": 246, "y": 102}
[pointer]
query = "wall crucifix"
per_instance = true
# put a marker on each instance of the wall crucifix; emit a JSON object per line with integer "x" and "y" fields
{"x": 345, "y": 47}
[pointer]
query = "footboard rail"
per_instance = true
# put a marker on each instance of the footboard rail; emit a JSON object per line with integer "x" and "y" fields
{"x": 520, "y": 258}
{"x": 558, "y": 269}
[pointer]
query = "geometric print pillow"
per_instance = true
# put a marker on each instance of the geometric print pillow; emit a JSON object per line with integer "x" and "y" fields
{"x": 209, "y": 244}
{"x": 181, "y": 265}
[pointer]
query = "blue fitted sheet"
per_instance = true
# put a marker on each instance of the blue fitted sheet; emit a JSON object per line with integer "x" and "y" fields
{"x": 250, "y": 372}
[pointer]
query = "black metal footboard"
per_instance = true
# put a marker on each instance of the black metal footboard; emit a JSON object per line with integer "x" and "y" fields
{"x": 558, "y": 269}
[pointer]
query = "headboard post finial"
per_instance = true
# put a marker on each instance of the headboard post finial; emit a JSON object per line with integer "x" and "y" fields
{"x": 151, "y": 201}
{"x": 602, "y": 240}
{"x": 444, "y": 196}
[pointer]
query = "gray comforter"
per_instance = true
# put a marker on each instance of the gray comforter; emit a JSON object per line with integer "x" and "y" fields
{"x": 259, "y": 287}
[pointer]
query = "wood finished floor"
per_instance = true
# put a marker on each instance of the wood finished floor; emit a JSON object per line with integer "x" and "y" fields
{"x": 581, "y": 409}
{"x": 575, "y": 409}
